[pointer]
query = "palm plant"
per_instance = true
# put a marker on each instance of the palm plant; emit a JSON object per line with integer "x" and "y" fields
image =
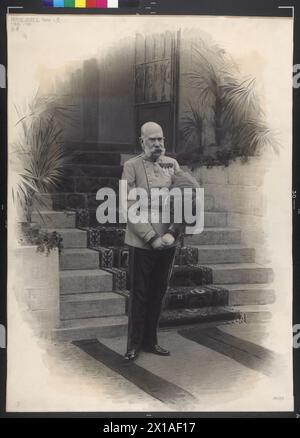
{"x": 39, "y": 151}
{"x": 192, "y": 122}
{"x": 207, "y": 80}
{"x": 46, "y": 107}
{"x": 236, "y": 108}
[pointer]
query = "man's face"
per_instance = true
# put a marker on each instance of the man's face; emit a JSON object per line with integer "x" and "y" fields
{"x": 153, "y": 144}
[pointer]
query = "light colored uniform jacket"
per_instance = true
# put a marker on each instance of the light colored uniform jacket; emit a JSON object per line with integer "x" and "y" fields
{"x": 140, "y": 172}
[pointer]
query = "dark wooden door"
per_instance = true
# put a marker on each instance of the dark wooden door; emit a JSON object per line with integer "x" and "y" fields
{"x": 156, "y": 83}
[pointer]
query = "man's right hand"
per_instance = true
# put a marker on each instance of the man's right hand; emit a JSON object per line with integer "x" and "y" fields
{"x": 158, "y": 243}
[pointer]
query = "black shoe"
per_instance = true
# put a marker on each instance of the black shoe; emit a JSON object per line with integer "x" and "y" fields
{"x": 156, "y": 349}
{"x": 131, "y": 354}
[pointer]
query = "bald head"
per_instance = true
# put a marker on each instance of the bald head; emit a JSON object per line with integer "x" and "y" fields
{"x": 152, "y": 140}
{"x": 151, "y": 128}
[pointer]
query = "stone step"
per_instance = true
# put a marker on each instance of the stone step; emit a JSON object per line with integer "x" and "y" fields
{"x": 85, "y": 281}
{"x": 190, "y": 276}
{"x": 185, "y": 297}
{"x": 91, "y": 305}
{"x": 225, "y": 254}
{"x": 196, "y": 297}
{"x": 209, "y": 203}
{"x": 249, "y": 294}
{"x": 97, "y": 157}
{"x": 255, "y": 313}
{"x": 186, "y": 255}
{"x": 240, "y": 273}
{"x": 212, "y": 219}
{"x": 74, "y": 201}
{"x": 42, "y": 201}
{"x": 215, "y": 219}
{"x": 120, "y": 278}
{"x": 113, "y": 256}
{"x": 55, "y": 219}
{"x": 65, "y": 200}
{"x": 204, "y": 275}
{"x": 89, "y": 219}
{"x": 72, "y": 238}
{"x": 216, "y": 295}
{"x": 181, "y": 317}
{"x": 105, "y": 236}
{"x": 84, "y": 220}
{"x": 78, "y": 258}
{"x": 90, "y": 328}
{"x": 115, "y": 236}
{"x": 121, "y": 148}
{"x": 117, "y": 256}
{"x": 86, "y": 184}
{"x": 215, "y": 236}
{"x": 88, "y": 170}
{"x": 66, "y": 185}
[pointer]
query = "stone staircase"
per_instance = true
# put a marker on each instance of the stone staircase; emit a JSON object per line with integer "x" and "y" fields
{"x": 86, "y": 298}
{"x": 215, "y": 278}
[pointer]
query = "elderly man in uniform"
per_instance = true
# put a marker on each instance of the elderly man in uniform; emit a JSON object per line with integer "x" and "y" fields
{"x": 152, "y": 246}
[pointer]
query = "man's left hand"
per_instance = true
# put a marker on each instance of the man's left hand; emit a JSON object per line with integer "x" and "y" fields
{"x": 168, "y": 239}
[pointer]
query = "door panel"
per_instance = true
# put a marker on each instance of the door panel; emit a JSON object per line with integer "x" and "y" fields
{"x": 155, "y": 83}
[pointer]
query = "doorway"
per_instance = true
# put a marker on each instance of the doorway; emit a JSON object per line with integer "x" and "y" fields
{"x": 156, "y": 83}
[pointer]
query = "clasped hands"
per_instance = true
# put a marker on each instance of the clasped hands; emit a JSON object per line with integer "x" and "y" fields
{"x": 163, "y": 241}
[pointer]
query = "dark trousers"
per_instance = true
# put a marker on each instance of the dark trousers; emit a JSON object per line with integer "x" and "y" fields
{"x": 150, "y": 272}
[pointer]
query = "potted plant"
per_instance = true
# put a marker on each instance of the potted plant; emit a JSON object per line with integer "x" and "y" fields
{"x": 40, "y": 160}
{"x": 238, "y": 122}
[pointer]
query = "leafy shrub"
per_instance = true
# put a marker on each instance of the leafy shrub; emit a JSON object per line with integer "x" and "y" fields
{"x": 46, "y": 242}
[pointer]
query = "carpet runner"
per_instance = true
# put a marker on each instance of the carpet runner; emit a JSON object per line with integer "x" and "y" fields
{"x": 247, "y": 353}
{"x": 152, "y": 384}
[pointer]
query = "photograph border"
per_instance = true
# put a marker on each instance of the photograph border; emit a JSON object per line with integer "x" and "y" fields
{"x": 162, "y": 7}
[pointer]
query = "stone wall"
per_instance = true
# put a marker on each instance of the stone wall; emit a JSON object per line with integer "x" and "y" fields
{"x": 36, "y": 285}
{"x": 239, "y": 189}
